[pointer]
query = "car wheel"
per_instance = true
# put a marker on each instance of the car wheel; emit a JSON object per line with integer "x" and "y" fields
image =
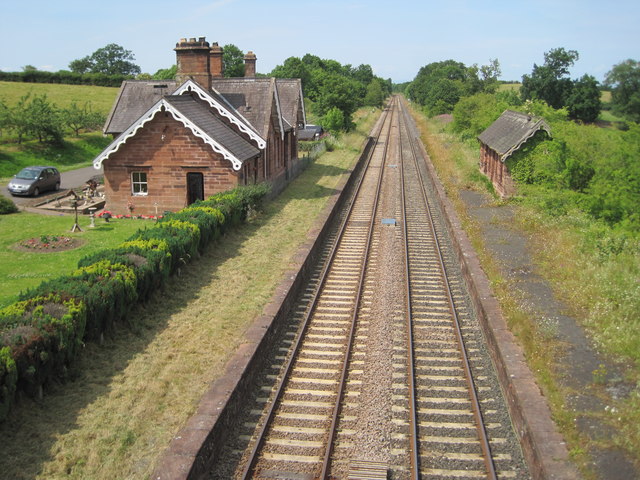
{"x": 36, "y": 192}
{"x": 57, "y": 187}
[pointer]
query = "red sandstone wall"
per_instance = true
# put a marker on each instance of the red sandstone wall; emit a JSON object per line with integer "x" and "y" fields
{"x": 167, "y": 151}
{"x": 497, "y": 172}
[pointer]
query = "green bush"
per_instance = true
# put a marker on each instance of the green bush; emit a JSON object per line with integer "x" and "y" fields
{"x": 7, "y": 206}
{"x": 8, "y": 381}
{"x": 43, "y": 335}
{"x": 107, "y": 290}
{"x": 149, "y": 259}
{"x": 182, "y": 239}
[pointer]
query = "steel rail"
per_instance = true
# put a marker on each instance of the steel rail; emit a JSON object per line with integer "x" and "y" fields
{"x": 482, "y": 434}
{"x": 261, "y": 437}
{"x": 326, "y": 465}
{"x": 411, "y": 374}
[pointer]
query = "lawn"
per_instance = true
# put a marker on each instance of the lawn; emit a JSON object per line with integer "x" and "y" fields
{"x": 21, "y": 270}
{"x": 126, "y": 399}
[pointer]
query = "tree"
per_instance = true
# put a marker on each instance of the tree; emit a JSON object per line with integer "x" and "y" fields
{"x": 334, "y": 120}
{"x": 110, "y": 60}
{"x": 438, "y": 86}
{"x": 549, "y": 82}
{"x": 375, "y": 94}
{"x": 583, "y": 103}
{"x": 232, "y": 61}
{"x": 166, "y": 73}
{"x": 624, "y": 81}
{"x": 77, "y": 118}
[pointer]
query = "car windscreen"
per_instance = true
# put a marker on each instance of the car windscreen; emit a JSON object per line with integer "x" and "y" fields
{"x": 27, "y": 174}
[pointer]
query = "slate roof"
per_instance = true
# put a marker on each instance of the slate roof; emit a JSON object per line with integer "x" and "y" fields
{"x": 201, "y": 115}
{"x": 291, "y": 103}
{"x": 253, "y": 98}
{"x": 510, "y": 131}
{"x": 134, "y": 99}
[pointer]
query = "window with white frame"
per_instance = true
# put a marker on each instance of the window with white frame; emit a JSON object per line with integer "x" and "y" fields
{"x": 139, "y": 184}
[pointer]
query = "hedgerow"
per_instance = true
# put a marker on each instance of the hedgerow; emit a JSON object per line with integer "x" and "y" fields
{"x": 41, "y": 334}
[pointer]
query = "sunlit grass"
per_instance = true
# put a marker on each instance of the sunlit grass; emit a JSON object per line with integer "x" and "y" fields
{"x": 100, "y": 98}
{"x": 128, "y": 398}
{"x": 21, "y": 270}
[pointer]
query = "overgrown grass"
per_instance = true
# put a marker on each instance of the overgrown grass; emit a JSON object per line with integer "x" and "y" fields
{"x": 100, "y": 98}
{"x": 128, "y": 398}
{"x": 593, "y": 268}
{"x": 20, "y": 270}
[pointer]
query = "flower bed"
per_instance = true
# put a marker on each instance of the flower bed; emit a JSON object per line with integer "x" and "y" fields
{"x": 48, "y": 243}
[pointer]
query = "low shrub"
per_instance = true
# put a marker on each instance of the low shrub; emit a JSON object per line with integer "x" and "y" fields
{"x": 42, "y": 335}
{"x": 106, "y": 288}
{"x": 7, "y": 206}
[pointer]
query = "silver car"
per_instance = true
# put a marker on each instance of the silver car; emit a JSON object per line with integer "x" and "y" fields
{"x": 34, "y": 180}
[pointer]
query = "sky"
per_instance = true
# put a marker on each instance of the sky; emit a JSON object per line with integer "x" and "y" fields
{"x": 394, "y": 37}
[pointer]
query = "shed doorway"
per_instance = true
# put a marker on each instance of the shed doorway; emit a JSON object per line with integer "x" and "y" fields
{"x": 195, "y": 187}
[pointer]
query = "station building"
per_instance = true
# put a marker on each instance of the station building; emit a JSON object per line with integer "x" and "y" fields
{"x": 175, "y": 142}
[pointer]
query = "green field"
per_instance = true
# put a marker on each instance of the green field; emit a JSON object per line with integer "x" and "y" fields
{"x": 100, "y": 98}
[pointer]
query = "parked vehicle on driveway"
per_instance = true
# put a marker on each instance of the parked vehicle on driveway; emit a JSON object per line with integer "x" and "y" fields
{"x": 34, "y": 180}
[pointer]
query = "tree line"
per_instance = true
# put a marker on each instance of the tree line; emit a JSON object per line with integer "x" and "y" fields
{"x": 580, "y": 166}
{"x": 439, "y": 86}
{"x": 35, "y": 117}
{"x": 333, "y": 91}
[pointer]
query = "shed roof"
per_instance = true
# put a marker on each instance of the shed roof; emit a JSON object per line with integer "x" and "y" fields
{"x": 510, "y": 131}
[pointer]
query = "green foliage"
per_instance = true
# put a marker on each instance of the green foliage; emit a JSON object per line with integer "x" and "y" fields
{"x": 550, "y": 84}
{"x": 327, "y": 84}
{"x": 583, "y": 102}
{"x": 439, "y": 86}
{"x": 42, "y": 336}
{"x": 624, "y": 80}
{"x": 65, "y": 77}
{"x": 232, "y": 61}
{"x": 36, "y": 117}
{"x": 111, "y": 59}
{"x": 8, "y": 381}
{"x": 7, "y": 206}
{"x": 376, "y": 94}
{"x": 166, "y": 73}
{"x": 334, "y": 121}
{"x": 81, "y": 118}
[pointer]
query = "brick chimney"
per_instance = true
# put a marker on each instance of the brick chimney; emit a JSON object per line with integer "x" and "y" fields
{"x": 193, "y": 61}
{"x": 250, "y": 64}
{"x": 216, "y": 65}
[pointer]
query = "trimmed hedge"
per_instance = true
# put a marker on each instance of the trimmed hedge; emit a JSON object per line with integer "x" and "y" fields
{"x": 41, "y": 334}
{"x": 65, "y": 77}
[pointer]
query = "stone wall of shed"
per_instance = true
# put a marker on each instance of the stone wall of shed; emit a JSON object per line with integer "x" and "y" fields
{"x": 166, "y": 151}
{"x": 496, "y": 171}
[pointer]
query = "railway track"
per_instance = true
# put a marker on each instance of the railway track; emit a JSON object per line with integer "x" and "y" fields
{"x": 381, "y": 372}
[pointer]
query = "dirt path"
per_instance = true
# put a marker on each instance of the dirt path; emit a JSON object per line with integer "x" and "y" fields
{"x": 580, "y": 360}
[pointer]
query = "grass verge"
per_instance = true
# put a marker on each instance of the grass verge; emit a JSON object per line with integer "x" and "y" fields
{"x": 126, "y": 399}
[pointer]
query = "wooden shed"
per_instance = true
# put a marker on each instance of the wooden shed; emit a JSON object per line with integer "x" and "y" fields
{"x": 500, "y": 140}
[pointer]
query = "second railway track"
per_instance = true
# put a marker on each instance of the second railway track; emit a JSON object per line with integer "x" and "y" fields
{"x": 371, "y": 378}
